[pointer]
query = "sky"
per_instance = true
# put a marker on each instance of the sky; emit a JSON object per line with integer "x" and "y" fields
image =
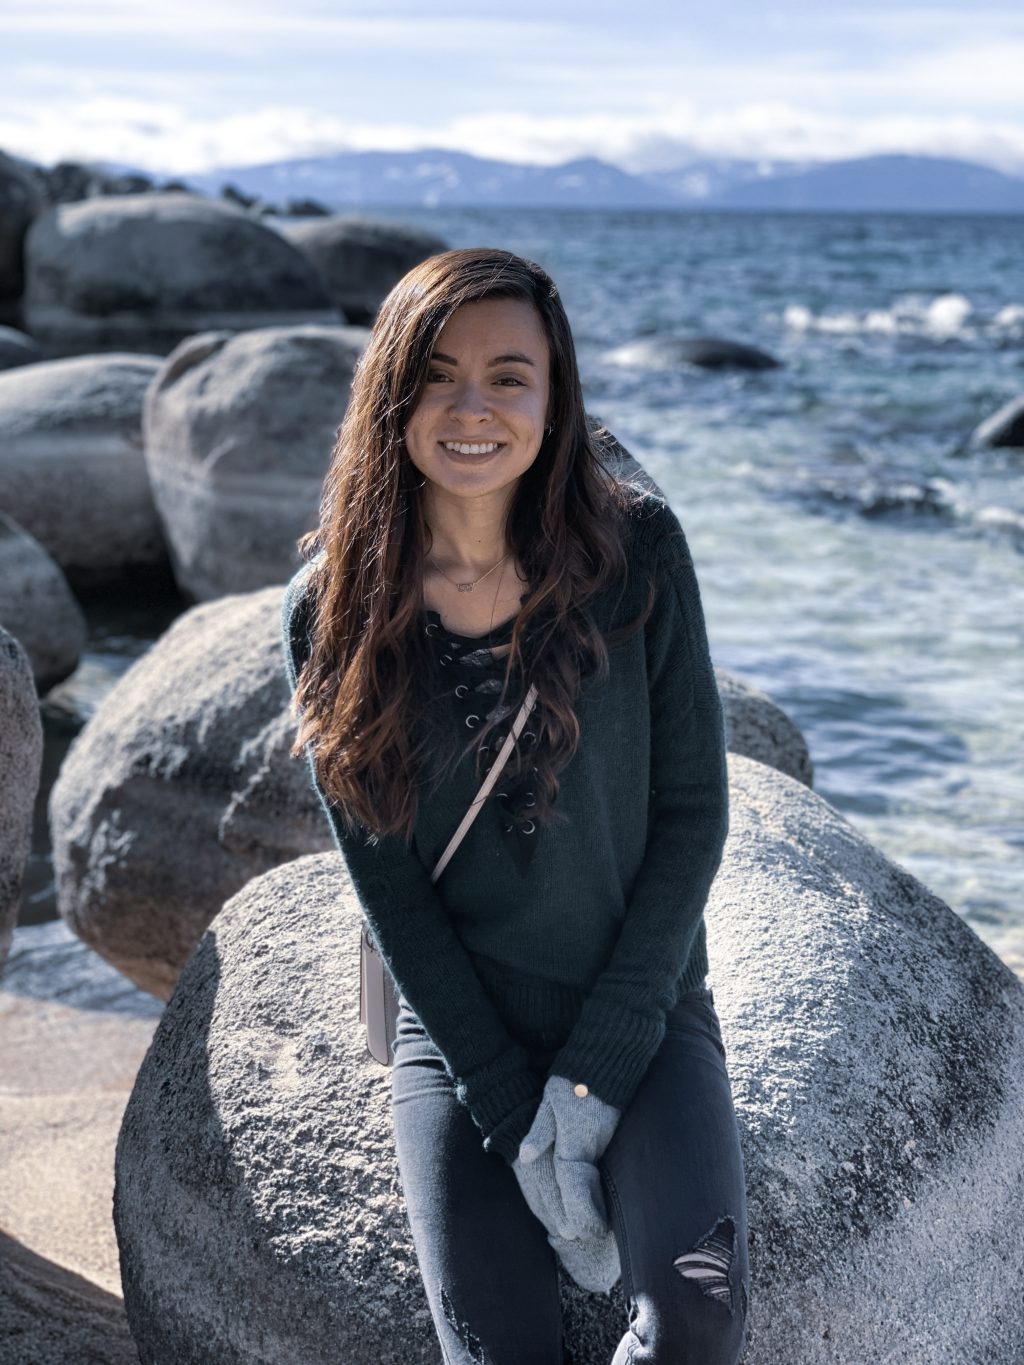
{"x": 191, "y": 85}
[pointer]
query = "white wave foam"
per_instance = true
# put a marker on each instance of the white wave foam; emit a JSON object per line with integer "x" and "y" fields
{"x": 1010, "y": 318}
{"x": 940, "y": 318}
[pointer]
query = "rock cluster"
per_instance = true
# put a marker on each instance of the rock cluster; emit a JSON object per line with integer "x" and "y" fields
{"x": 21, "y": 756}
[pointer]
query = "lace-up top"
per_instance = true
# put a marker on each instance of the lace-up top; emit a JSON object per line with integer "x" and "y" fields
{"x": 590, "y": 948}
{"x": 477, "y": 676}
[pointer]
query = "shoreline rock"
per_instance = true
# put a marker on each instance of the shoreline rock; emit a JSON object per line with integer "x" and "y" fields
{"x": 140, "y": 272}
{"x": 238, "y": 434}
{"x": 38, "y": 608}
{"x": 876, "y": 1053}
{"x": 72, "y": 471}
{"x": 21, "y": 757}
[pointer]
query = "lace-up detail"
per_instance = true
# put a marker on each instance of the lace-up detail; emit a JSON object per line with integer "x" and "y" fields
{"x": 477, "y": 677}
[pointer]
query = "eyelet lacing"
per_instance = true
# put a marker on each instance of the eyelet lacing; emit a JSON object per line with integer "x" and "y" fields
{"x": 480, "y": 676}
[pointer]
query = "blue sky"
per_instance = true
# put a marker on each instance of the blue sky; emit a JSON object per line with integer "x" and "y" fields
{"x": 192, "y": 84}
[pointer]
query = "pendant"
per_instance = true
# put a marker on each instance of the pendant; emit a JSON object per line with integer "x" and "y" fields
{"x": 464, "y": 587}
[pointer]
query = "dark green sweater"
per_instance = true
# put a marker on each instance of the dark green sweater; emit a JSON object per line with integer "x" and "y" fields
{"x": 587, "y": 947}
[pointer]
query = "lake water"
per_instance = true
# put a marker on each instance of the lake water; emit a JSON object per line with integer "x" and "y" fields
{"x": 857, "y": 561}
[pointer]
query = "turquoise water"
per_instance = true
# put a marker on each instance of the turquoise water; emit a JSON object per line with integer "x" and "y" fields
{"x": 857, "y": 562}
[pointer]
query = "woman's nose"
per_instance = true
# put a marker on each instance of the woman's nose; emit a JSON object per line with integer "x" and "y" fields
{"x": 469, "y": 400}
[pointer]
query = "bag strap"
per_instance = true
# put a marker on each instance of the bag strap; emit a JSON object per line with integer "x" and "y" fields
{"x": 488, "y": 782}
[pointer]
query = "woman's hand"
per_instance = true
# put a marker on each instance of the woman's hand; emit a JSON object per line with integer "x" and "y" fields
{"x": 593, "y": 1262}
{"x": 557, "y": 1161}
{"x": 540, "y": 1190}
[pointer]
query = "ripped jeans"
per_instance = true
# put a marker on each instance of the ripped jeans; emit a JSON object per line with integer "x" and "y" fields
{"x": 674, "y": 1186}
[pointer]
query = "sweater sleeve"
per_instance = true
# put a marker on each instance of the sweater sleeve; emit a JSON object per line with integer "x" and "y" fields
{"x": 427, "y": 960}
{"x": 622, "y": 1023}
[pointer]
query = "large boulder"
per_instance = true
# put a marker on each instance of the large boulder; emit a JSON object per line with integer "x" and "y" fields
{"x": 876, "y": 1053}
{"x": 140, "y": 272}
{"x": 179, "y": 789}
{"x": 20, "y": 201}
{"x": 21, "y": 758}
{"x": 360, "y": 259}
{"x": 38, "y": 607}
{"x": 239, "y": 431}
{"x": 72, "y": 471}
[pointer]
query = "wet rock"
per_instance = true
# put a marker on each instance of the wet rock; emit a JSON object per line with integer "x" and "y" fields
{"x": 892, "y": 493}
{"x": 876, "y": 1052}
{"x": 21, "y": 757}
{"x": 17, "y": 348}
{"x": 1003, "y": 428}
{"x": 140, "y": 272}
{"x": 179, "y": 789}
{"x": 38, "y": 607}
{"x": 239, "y": 431}
{"x": 708, "y": 353}
{"x": 359, "y": 259}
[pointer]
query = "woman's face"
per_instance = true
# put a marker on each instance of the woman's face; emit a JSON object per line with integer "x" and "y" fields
{"x": 479, "y": 421}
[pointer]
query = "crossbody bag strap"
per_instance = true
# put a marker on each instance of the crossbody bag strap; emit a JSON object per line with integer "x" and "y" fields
{"x": 488, "y": 782}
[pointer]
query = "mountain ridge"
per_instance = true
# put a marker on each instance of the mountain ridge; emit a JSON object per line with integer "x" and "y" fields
{"x": 434, "y": 177}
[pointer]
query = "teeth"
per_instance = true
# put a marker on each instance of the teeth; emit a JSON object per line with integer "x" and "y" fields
{"x": 461, "y": 448}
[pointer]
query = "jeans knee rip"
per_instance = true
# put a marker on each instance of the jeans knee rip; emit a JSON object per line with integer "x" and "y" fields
{"x": 709, "y": 1264}
{"x": 469, "y": 1339}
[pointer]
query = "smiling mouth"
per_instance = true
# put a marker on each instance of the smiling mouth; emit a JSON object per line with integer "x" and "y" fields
{"x": 471, "y": 447}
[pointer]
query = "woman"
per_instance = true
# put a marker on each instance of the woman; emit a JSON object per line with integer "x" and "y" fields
{"x": 559, "y": 1084}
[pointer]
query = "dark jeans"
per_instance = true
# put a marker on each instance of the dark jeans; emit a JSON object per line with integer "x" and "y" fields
{"x": 674, "y": 1186}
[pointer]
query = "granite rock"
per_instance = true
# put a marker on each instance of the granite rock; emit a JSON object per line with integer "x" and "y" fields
{"x": 360, "y": 259}
{"x": 238, "y": 434}
{"x": 140, "y": 272}
{"x": 876, "y": 1052}
{"x": 21, "y": 757}
{"x": 179, "y": 790}
{"x": 72, "y": 471}
{"x": 38, "y": 607}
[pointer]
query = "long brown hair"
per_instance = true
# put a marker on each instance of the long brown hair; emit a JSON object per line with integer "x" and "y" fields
{"x": 365, "y": 697}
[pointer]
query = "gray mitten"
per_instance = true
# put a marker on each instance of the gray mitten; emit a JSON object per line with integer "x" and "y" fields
{"x": 593, "y": 1262}
{"x": 574, "y": 1130}
{"x": 540, "y": 1190}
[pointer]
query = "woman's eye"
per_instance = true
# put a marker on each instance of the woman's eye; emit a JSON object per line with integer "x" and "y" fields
{"x": 439, "y": 376}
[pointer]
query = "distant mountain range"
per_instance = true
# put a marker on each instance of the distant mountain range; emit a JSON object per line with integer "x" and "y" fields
{"x": 435, "y": 177}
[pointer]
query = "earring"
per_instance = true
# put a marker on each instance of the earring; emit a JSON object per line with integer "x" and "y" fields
{"x": 549, "y": 429}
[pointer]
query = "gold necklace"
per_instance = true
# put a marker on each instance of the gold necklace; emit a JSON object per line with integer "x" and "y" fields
{"x": 468, "y": 587}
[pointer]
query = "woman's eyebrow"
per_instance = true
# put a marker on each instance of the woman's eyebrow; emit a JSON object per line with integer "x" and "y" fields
{"x": 509, "y": 357}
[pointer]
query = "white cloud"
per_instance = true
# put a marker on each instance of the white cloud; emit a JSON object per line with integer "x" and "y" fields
{"x": 195, "y": 20}
{"x": 166, "y": 137}
{"x": 183, "y": 88}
